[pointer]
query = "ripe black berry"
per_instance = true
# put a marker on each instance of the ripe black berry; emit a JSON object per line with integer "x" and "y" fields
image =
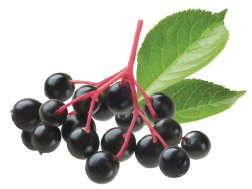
{"x": 25, "y": 114}
{"x": 169, "y": 130}
{"x": 48, "y": 115}
{"x": 73, "y": 121}
{"x": 147, "y": 152}
{"x": 82, "y": 106}
{"x": 26, "y": 138}
{"x": 119, "y": 98}
{"x": 46, "y": 138}
{"x": 103, "y": 113}
{"x": 163, "y": 106}
{"x": 81, "y": 144}
{"x": 113, "y": 140}
{"x": 174, "y": 162}
{"x": 57, "y": 87}
{"x": 124, "y": 121}
{"x": 102, "y": 167}
{"x": 196, "y": 144}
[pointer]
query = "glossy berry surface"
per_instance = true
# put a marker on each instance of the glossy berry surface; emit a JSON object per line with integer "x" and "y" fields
{"x": 113, "y": 140}
{"x": 103, "y": 113}
{"x": 124, "y": 121}
{"x": 25, "y": 114}
{"x": 82, "y": 106}
{"x": 46, "y": 138}
{"x": 147, "y": 153}
{"x": 73, "y": 121}
{"x": 197, "y": 144}
{"x": 26, "y": 139}
{"x": 119, "y": 98}
{"x": 47, "y": 113}
{"x": 57, "y": 87}
{"x": 81, "y": 144}
{"x": 174, "y": 162}
{"x": 169, "y": 130}
{"x": 102, "y": 167}
{"x": 163, "y": 106}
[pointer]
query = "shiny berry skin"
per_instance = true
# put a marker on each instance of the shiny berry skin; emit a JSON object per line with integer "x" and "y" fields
{"x": 124, "y": 121}
{"x": 147, "y": 153}
{"x": 46, "y": 138}
{"x": 197, "y": 144}
{"x": 103, "y": 113}
{"x": 81, "y": 144}
{"x": 57, "y": 87}
{"x": 73, "y": 121}
{"x": 26, "y": 139}
{"x": 25, "y": 114}
{"x": 113, "y": 140}
{"x": 163, "y": 106}
{"x": 82, "y": 106}
{"x": 48, "y": 115}
{"x": 174, "y": 162}
{"x": 102, "y": 167}
{"x": 169, "y": 130}
{"x": 119, "y": 98}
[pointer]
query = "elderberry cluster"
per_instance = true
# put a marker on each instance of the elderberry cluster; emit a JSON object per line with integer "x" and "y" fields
{"x": 40, "y": 129}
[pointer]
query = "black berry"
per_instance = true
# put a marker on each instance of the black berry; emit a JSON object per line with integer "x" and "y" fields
{"x": 119, "y": 98}
{"x": 196, "y": 144}
{"x": 57, "y": 87}
{"x": 103, "y": 113}
{"x": 174, "y": 162}
{"x": 81, "y": 144}
{"x": 73, "y": 121}
{"x": 82, "y": 106}
{"x": 124, "y": 121}
{"x": 163, "y": 106}
{"x": 25, "y": 114}
{"x": 169, "y": 130}
{"x": 48, "y": 115}
{"x": 46, "y": 138}
{"x": 26, "y": 138}
{"x": 147, "y": 153}
{"x": 102, "y": 167}
{"x": 113, "y": 140}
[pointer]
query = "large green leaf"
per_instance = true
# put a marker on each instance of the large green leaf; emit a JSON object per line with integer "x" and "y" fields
{"x": 178, "y": 46}
{"x": 196, "y": 99}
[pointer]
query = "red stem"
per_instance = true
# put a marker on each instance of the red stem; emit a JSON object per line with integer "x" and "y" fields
{"x": 70, "y": 113}
{"x": 81, "y": 82}
{"x": 90, "y": 113}
{"x": 148, "y": 100}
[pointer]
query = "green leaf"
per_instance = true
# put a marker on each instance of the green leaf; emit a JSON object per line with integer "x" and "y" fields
{"x": 178, "y": 46}
{"x": 196, "y": 99}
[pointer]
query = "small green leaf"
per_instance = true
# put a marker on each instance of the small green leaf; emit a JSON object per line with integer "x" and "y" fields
{"x": 196, "y": 99}
{"x": 178, "y": 46}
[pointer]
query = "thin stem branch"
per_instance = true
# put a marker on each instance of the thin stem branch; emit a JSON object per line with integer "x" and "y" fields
{"x": 90, "y": 112}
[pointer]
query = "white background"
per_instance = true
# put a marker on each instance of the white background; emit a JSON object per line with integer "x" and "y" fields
{"x": 91, "y": 40}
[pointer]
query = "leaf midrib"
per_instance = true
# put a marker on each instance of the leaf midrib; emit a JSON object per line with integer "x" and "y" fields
{"x": 177, "y": 59}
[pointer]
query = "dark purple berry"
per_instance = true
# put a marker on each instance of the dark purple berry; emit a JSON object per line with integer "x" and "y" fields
{"x": 124, "y": 121}
{"x": 73, "y": 121}
{"x": 119, "y": 98}
{"x": 163, "y": 106}
{"x": 82, "y": 106}
{"x": 25, "y": 114}
{"x": 26, "y": 138}
{"x": 57, "y": 87}
{"x": 48, "y": 115}
{"x": 196, "y": 144}
{"x": 113, "y": 140}
{"x": 169, "y": 130}
{"x": 81, "y": 144}
{"x": 147, "y": 153}
{"x": 174, "y": 162}
{"x": 46, "y": 138}
{"x": 103, "y": 113}
{"x": 102, "y": 167}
